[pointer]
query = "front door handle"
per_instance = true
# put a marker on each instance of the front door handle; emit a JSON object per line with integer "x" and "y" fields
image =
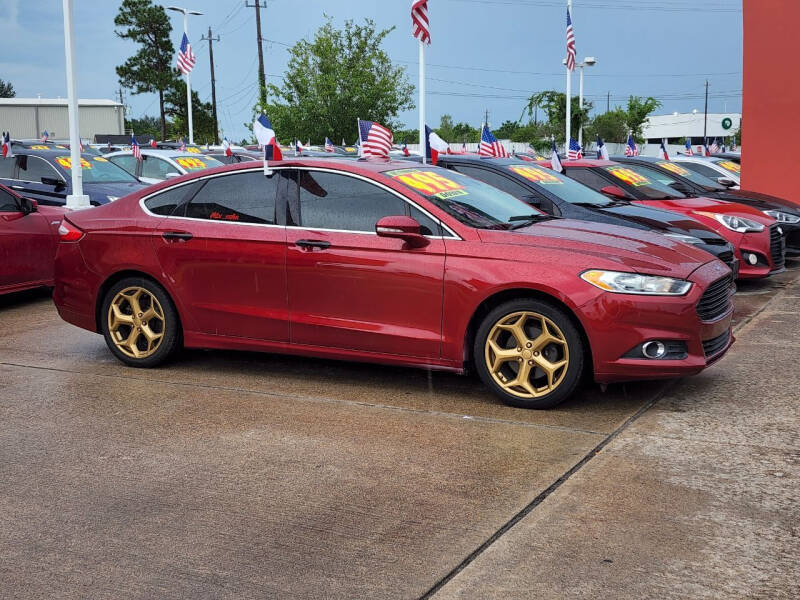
{"x": 322, "y": 244}
{"x": 181, "y": 236}
{"x": 17, "y": 187}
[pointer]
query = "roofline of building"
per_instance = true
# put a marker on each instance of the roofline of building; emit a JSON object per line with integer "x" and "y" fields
{"x": 56, "y": 102}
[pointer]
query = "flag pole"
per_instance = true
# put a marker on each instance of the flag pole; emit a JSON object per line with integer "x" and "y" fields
{"x": 188, "y": 83}
{"x": 422, "y": 100}
{"x": 569, "y": 97}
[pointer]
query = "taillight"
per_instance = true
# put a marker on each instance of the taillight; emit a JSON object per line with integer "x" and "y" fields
{"x": 68, "y": 232}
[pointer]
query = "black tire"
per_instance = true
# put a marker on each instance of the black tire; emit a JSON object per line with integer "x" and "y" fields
{"x": 570, "y": 347}
{"x": 170, "y": 340}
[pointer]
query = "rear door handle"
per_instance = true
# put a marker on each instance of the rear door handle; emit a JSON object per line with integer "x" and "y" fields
{"x": 181, "y": 236}
{"x": 322, "y": 244}
{"x": 17, "y": 187}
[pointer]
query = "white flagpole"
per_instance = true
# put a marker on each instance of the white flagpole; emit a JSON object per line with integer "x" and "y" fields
{"x": 188, "y": 84}
{"x": 569, "y": 96}
{"x": 422, "y": 100}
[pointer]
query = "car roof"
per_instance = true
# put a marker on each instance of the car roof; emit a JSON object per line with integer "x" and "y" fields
{"x": 647, "y": 159}
{"x": 51, "y": 153}
{"x": 478, "y": 160}
{"x": 588, "y": 162}
{"x": 153, "y": 152}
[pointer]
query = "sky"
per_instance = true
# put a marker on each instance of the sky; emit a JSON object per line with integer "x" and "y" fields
{"x": 485, "y": 54}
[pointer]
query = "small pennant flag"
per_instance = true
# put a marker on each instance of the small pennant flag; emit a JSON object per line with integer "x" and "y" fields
{"x": 153, "y": 143}
{"x": 490, "y": 146}
{"x": 575, "y": 151}
{"x": 45, "y": 136}
{"x": 602, "y": 151}
{"x": 375, "y": 139}
{"x": 434, "y": 145}
{"x": 328, "y": 145}
{"x": 135, "y": 149}
{"x": 631, "y": 149}
{"x": 664, "y": 152}
{"x": 6, "y": 144}
{"x": 555, "y": 161}
{"x": 227, "y": 147}
{"x": 262, "y": 128}
{"x": 689, "y": 151}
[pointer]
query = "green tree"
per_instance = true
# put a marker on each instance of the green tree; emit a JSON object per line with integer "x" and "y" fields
{"x": 637, "y": 113}
{"x": 144, "y": 128}
{"x": 202, "y": 116}
{"x": 554, "y": 105}
{"x": 456, "y": 132}
{"x": 6, "y": 89}
{"x": 612, "y": 126}
{"x": 150, "y": 69}
{"x": 339, "y": 76}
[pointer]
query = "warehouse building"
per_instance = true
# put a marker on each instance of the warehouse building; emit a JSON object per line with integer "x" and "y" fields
{"x": 27, "y": 118}
{"x": 677, "y": 126}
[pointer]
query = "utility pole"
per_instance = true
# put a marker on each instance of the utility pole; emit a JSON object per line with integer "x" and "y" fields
{"x": 608, "y": 102}
{"x": 486, "y": 117}
{"x": 262, "y": 82}
{"x": 211, "y": 39}
{"x": 120, "y": 96}
{"x": 705, "y": 118}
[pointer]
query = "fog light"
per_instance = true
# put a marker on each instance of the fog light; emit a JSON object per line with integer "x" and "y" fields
{"x": 751, "y": 258}
{"x": 654, "y": 349}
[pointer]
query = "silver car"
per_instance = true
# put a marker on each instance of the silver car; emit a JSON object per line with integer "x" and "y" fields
{"x": 158, "y": 165}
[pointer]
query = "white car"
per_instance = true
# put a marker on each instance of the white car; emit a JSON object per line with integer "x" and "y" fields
{"x": 158, "y": 165}
{"x": 721, "y": 170}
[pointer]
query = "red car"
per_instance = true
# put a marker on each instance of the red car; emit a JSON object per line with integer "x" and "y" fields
{"x": 389, "y": 262}
{"x": 757, "y": 238}
{"x": 28, "y": 241}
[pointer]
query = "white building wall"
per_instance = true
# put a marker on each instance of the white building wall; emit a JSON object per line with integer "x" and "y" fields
{"x": 28, "y": 118}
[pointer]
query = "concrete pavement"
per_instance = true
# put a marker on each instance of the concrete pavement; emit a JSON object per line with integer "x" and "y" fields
{"x": 229, "y": 475}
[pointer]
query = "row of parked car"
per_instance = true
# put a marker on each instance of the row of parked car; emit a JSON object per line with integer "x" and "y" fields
{"x": 620, "y": 269}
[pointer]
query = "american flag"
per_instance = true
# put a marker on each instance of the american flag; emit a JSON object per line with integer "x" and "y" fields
{"x": 570, "y": 43}
{"x": 45, "y": 135}
{"x": 137, "y": 152}
{"x": 186, "y": 58}
{"x": 575, "y": 151}
{"x": 630, "y": 147}
{"x": 490, "y": 146}
{"x": 714, "y": 146}
{"x": 419, "y": 21}
{"x": 689, "y": 151}
{"x": 733, "y": 144}
{"x": 328, "y": 145}
{"x": 376, "y": 140}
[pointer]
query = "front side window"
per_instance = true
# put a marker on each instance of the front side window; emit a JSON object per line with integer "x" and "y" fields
{"x": 33, "y": 168}
{"x": 246, "y": 197}
{"x": 647, "y": 182}
{"x": 593, "y": 180}
{"x": 7, "y": 202}
{"x": 337, "y": 201}
{"x": 562, "y": 187}
{"x": 693, "y": 176}
{"x": 126, "y": 162}
{"x": 156, "y": 168}
{"x": 501, "y": 182}
{"x": 728, "y": 165}
{"x": 6, "y": 168}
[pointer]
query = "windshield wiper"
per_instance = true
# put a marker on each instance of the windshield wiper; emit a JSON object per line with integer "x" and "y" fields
{"x": 525, "y": 220}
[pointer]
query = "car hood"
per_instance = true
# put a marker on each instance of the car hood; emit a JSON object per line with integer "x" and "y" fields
{"x": 605, "y": 246}
{"x": 703, "y": 203}
{"x": 113, "y": 189}
{"x": 662, "y": 221}
{"x": 763, "y": 201}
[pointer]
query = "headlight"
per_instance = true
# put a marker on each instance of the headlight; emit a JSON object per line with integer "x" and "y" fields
{"x": 734, "y": 223}
{"x": 112, "y": 198}
{"x": 633, "y": 283}
{"x": 782, "y": 217}
{"x": 686, "y": 239}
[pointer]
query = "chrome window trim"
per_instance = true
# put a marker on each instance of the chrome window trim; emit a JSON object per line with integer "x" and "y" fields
{"x": 44, "y": 160}
{"x": 143, "y": 199}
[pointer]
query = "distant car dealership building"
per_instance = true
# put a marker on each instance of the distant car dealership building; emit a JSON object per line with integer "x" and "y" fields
{"x": 27, "y": 118}
{"x": 677, "y": 126}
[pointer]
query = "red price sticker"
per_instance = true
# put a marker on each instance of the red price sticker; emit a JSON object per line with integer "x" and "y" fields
{"x": 66, "y": 162}
{"x": 628, "y": 176}
{"x": 190, "y": 163}
{"x": 671, "y": 166}
{"x": 428, "y": 183}
{"x": 536, "y": 174}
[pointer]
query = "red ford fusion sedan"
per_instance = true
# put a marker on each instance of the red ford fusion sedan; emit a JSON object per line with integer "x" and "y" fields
{"x": 757, "y": 238}
{"x": 391, "y": 262}
{"x": 28, "y": 241}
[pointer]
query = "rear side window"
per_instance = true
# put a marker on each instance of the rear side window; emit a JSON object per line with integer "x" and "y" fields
{"x": 239, "y": 198}
{"x": 33, "y": 168}
{"x": 6, "y": 168}
{"x": 334, "y": 201}
{"x": 126, "y": 162}
{"x": 501, "y": 182}
{"x": 168, "y": 201}
{"x": 592, "y": 179}
{"x": 703, "y": 170}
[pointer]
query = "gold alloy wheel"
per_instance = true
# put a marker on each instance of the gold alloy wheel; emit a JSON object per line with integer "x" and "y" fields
{"x": 527, "y": 354}
{"x": 136, "y": 322}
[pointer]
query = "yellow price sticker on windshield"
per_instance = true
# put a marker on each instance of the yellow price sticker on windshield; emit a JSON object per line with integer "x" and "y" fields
{"x": 193, "y": 150}
{"x": 100, "y": 159}
{"x": 188, "y": 162}
{"x": 671, "y": 166}
{"x": 536, "y": 174}
{"x": 629, "y": 176}
{"x": 61, "y": 147}
{"x": 429, "y": 183}
{"x": 731, "y": 166}
{"x": 40, "y": 147}
{"x": 66, "y": 162}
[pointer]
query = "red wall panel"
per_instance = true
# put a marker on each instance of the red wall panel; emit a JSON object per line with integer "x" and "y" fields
{"x": 771, "y": 102}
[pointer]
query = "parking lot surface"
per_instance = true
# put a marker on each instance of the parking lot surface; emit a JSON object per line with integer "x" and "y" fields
{"x": 229, "y": 475}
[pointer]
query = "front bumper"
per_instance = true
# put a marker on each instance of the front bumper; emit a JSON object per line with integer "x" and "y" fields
{"x": 617, "y": 323}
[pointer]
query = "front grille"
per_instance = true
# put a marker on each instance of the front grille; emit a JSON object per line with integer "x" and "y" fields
{"x": 716, "y": 299}
{"x": 715, "y": 345}
{"x": 728, "y": 258}
{"x": 776, "y": 247}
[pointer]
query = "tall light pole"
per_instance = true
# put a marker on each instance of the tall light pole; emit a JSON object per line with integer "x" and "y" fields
{"x": 186, "y": 12}
{"x": 589, "y": 61}
{"x": 76, "y": 199}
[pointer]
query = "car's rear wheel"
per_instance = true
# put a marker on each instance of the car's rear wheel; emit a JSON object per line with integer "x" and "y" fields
{"x": 139, "y": 322}
{"x": 529, "y": 353}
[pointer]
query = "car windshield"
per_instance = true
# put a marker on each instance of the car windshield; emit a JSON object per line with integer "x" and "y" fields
{"x": 196, "y": 163}
{"x": 728, "y": 165}
{"x": 706, "y": 182}
{"x": 97, "y": 169}
{"x": 468, "y": 200}
{"x": 644, "y": 181}
{"x": 560, "y": 186}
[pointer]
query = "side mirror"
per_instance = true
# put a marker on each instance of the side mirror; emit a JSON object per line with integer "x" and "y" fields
{"x": 172, "y": 175}
{"x": 54, "y": 181}
{"x": 726, "y": 181}
{"x": 402, "y": 228}
{"x": 28, "y": 205}
{"x": 614, "y": 191}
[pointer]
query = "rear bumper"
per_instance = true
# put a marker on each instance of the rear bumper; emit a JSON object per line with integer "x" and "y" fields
{"x": 75, "y": 285}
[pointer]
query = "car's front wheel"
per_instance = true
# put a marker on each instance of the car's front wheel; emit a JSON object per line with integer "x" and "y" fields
{"x": 139, "y": 322}
{"x": 529, "y": 353}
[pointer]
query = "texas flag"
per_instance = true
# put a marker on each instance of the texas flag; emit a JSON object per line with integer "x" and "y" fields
{"x": 153, "y": 143}
{"x": 6, "y": 144}
{"x": 434, "y": 145}
{"x": 602, "y": 151}
{"x": 404, "y": 148}
{"x": 265, "y": 135}
{"x": 226, "y": 145}
{"x": 664, "y": 152}
{"x": 555, "y": 160}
